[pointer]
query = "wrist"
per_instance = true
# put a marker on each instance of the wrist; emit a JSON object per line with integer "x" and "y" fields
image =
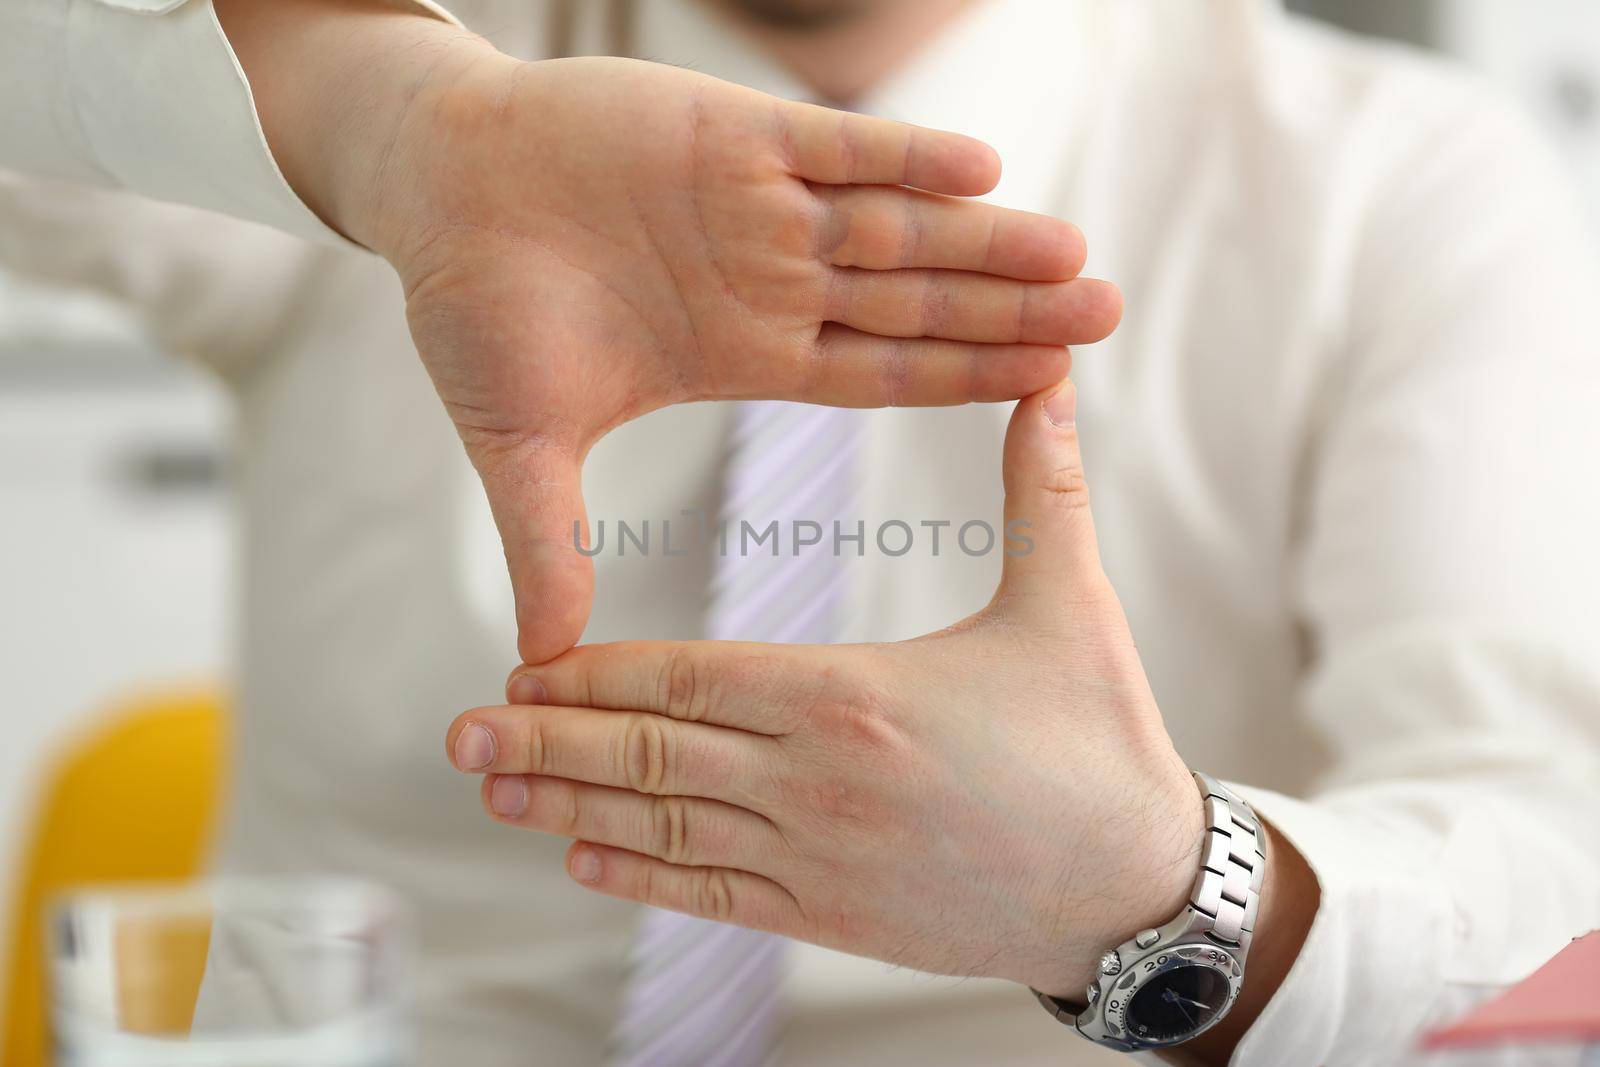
{"x": 338, "y": 86}
{"x": 1159, "y": 855}
{"x": 1289, "y": 896}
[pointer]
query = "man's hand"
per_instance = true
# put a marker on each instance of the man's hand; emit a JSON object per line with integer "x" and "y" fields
{"x": 584, "y": 241}
{"x": 999, "y": 798}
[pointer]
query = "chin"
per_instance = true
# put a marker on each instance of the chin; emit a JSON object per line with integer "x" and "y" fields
{"x": 804, "y": 14}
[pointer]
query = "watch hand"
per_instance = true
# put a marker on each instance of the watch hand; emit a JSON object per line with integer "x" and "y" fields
{"x": 1172, "y": 998}
{"x": 1196, "y": 1003}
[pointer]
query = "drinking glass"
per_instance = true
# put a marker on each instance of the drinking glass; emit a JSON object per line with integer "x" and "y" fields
{"x": 233, "y": 973}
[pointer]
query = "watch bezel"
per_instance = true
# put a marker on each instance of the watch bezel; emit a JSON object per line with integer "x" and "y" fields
{"x": 1109, "y": 1014}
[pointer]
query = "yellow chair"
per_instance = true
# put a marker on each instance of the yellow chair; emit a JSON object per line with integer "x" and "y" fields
{"x": 134, "y": 801}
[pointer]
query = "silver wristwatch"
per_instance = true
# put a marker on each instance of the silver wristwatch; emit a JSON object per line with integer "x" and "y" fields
{"x": 1165, "y": 986}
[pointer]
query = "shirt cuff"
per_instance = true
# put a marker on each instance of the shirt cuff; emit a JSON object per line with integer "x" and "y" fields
{"x": 164, "y": 106}
{"x": 1373, "y": 961}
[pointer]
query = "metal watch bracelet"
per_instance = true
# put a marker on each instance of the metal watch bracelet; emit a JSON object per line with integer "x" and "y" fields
{"x": 1167, "y": 985}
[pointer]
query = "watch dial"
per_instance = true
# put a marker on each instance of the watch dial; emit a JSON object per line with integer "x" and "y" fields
{"x": 1176, "y": 1003}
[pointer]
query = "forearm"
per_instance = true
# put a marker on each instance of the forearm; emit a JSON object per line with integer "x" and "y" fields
{"x": 335, "y": 84}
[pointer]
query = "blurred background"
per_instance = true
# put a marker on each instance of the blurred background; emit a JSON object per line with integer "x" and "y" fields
{"x": 114, "y": 491}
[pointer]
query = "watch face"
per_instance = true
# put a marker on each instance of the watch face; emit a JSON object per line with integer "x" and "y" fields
{"x": 1175, "y": 1003}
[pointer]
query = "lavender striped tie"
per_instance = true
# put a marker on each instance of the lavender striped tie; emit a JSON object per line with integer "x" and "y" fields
{"x": 699, "y": 993}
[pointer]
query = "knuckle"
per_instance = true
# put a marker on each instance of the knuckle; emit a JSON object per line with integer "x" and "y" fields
{"x": 844, "y": 707}
{"x": 853, "y": 718}
{"x": 645, "y": 887}
{"x": 991, "y": 241}
{"x": 786, "y": 116}
{"x": 910, "y": 151}
{"x": 935, "y": 305}
{"x": 538, "y": 747}
{"x": 898, "y": 356}
{"x": 911, "y": 231}
{"x": 669, "y": 832}
{"x": 646, "y": 754}
{"x": 849, "y": 149}
{"x": 686, "y": 684}
{"x": 1023, "y": 325}
{"x": 856, "y": 720}
{"x": 1066, "y": 487}
{"x": 711, "y": 894}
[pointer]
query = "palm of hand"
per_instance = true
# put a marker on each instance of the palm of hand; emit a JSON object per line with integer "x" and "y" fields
{"x": 587, "y": 257}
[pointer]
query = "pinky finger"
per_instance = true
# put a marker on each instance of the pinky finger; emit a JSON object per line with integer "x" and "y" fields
{"x": 717, "y": 893}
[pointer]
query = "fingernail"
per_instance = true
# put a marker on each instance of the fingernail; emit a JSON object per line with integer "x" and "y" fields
{"x": 474, "y": 748}
{"x": 525, "y": 689}
{"x": 1061, "y": 407}
{"x": 586, "y": 865}
{"x": 508, "y": 797}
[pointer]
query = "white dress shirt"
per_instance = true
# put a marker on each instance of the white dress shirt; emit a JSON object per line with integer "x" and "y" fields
{"x": 1342, "y": 450}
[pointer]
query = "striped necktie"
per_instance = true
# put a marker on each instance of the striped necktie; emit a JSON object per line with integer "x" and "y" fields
{"x": 700, "y": 993}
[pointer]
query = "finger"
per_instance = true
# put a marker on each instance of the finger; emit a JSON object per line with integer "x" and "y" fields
{"x": 687, "y": 831}
{"x": 963, "y": 306}
{"x": 762, "y": 689}
{"x": 842, "y": 148}
{"x": 1052, "y": 558}
{"x": 718, "y": 893}
{"x": 879, "y": 228}
{"x": 644, "y": 752}
{"x": 856, "y": 369}
{"x": 535, "y": 492}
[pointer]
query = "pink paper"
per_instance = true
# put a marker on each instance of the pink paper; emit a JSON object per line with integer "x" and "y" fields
{"x": 1558, "y": 1002}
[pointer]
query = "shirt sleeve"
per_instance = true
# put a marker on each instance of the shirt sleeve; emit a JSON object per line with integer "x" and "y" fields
{"x": 147, "y": 96}
{"x": 213, "y": 289}
{"x": 1450, "y": 581}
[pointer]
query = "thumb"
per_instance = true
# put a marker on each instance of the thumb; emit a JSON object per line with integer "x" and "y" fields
{"x": 536, "y": 494}
{"x": 1052, "y": 559}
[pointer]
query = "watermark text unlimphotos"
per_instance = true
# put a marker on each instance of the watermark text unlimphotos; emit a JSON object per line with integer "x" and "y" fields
{"x": 691, "y": 533}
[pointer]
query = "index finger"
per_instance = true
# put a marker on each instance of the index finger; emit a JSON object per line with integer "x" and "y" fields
{"x": 763, "y": 689}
